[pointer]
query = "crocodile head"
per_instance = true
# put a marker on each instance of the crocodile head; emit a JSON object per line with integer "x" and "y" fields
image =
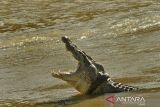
{"x": 87, "y": 70}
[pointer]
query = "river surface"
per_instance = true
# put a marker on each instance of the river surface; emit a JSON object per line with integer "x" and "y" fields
{"x": 123, "y": 35}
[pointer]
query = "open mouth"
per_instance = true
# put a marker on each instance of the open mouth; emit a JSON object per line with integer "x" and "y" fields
{"x": 67, "y": 76}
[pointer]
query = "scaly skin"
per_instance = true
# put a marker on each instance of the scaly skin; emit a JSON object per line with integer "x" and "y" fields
{"x": 90, "y": 77}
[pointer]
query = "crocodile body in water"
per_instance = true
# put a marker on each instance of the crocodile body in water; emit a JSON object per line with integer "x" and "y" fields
{"x": 90, "y": 77}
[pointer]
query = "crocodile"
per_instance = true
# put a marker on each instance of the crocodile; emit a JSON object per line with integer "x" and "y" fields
{"x": 90, "y": 77}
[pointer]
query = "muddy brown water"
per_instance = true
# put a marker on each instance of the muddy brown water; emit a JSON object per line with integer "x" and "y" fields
{"x": 123, "y": 35}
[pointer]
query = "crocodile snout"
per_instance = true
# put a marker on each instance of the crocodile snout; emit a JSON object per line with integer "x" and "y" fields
{"x": 65, "y": 39}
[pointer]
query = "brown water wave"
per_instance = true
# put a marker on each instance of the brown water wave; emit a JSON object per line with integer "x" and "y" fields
{"x": 33, "y": 15}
